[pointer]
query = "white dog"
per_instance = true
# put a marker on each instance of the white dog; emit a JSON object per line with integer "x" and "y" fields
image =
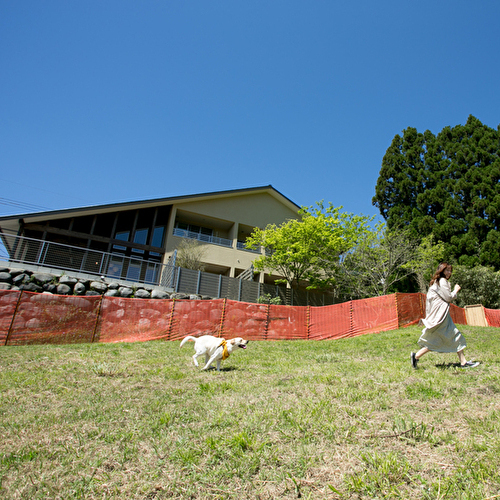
{"x": 214, "y": 348}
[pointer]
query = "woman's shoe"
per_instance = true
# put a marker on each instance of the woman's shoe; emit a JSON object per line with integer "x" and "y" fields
{"x": 414, "y": 360}
{"x": 470, "y": 364}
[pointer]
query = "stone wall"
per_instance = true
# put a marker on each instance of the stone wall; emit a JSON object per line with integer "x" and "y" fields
{"x": 65, "y": 284}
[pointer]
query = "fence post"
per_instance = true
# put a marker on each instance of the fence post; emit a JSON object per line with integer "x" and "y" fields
{"x": 267, "y": 321}
{"x": 171, "y": 321}
{"x": 177, "y": 281}
{"x": 13, "y": 318}
{"x": 397, "y": 308}
{"x": 351, "y": 319}
{"x": 308, "y": 319}
{"x": 97, "y": 318}
{"x": 222, "y": 317}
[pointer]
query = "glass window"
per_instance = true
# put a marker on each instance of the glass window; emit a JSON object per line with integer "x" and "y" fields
{"x": 122, "y": 236}
{"x": 151, "y": 274}
{"x": 158, "y": 236}
{"x": 157, "y": 239}
{"x": 141, "y": 236}
{"x": 134, "y": 270}
{"x": 115, "y": 266}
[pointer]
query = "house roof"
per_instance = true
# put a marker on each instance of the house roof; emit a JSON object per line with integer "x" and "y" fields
{"x": 72, "y": 212}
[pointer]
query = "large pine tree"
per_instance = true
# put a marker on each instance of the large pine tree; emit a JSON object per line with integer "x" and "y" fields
{"x": 446, "y": 185}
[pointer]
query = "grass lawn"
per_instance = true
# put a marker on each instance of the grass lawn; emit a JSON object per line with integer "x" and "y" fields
{"x": 342, "y": 419}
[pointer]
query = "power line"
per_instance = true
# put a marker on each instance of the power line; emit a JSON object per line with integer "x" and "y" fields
{"x": 21, "y": 204}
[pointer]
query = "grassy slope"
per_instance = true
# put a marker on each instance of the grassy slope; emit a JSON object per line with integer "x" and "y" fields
{"x": 330, "y": 419}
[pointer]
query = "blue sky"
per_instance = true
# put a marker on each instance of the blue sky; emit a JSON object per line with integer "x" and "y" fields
{"x": 116, "y": 100}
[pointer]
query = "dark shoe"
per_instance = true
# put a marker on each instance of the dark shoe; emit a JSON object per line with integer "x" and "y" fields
{"x": 470, "y": 364}
{"x": 414, "y": 360}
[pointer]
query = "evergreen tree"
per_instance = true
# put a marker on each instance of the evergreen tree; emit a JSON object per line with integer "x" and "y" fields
{"x": 448, "y": 186}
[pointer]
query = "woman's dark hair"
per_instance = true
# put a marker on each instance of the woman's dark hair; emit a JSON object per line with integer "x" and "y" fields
{"x": 440, "y": 272}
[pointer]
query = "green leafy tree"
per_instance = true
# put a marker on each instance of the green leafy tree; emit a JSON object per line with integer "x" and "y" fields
{"x": 479, "y": 285}
{"x": 448, "y": 186}
{"x": 377, "y": 264}
{"x": 426, "y": 259}
{"x": 306, "y": 251}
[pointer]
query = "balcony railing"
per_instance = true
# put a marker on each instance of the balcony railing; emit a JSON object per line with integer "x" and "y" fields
{"x": 206, "y": 238}
{"x": 240, "y": 245}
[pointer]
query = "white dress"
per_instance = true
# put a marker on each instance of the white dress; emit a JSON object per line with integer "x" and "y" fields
{"x": 440, "y": 333}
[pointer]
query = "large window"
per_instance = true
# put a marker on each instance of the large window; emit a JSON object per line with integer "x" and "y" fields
{"x": 193, "y": 228}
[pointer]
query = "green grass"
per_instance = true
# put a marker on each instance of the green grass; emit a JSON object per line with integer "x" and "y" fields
{"x": 344, "y": 419}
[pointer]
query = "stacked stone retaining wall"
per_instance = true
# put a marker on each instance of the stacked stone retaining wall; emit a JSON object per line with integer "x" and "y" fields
{"x": 66, "y": 284}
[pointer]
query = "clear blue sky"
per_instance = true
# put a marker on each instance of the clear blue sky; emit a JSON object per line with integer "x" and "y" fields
{"x": 119, "y": 100}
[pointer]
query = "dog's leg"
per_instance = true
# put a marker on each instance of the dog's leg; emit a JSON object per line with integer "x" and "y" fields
{"x": 218, "y": 365}
{"x": 195, "y": 360}
{"x": 215, "y": 355}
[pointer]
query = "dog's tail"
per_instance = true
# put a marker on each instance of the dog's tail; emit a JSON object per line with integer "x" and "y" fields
{"x": 185, "y": 339}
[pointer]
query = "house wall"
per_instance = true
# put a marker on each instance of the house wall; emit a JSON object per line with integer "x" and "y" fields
{"x": 232, "y": 218}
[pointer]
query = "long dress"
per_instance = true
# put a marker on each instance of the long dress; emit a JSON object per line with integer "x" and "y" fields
{"x": 440, "y": 333}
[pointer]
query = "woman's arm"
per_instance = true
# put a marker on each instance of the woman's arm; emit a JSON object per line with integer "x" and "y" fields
{"x": 445, "y": 290}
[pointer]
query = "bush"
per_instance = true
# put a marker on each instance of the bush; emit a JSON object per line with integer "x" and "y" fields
{"x": 480, "y": 285}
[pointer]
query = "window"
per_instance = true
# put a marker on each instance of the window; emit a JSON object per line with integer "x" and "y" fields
{"x": 122, "y": 236}
{"x": 157, "y": 241}
{"x": 193, "y": 228}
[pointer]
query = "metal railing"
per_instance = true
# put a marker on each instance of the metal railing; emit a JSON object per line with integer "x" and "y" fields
{"x": 67, "y": 258}
{"x": 206, "y": 238}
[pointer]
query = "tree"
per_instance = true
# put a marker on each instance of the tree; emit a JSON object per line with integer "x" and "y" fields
{"x": 426, "y": 259}
{"x": 377, "y": 263}
{"x": 307, "y": 251}
{"x": 480, "y": 285}
{"x": 190, "y": 255}
{"x": 448, "y": 186}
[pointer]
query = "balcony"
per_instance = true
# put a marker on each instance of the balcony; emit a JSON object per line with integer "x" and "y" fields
{"x": 214, "y": 240}
{"x": 240, "y": 245}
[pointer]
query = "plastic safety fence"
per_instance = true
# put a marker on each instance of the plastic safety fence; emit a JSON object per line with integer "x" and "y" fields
{"x": 492, "y": 317}
{"x": 411, "y": 308}
{"x": 39, "y": 319}
{"x": 133, "y": 320}
{"x": 8, "y": 305}
{"x": 247, "y": 320}
{"x": 196, "y": 317}
{"x": 330, "y": 322}
{"x": 458, "y": 315}
{"x": 33, "y": 318}
{"x": 377, "y": 314}
{"x": 287, "y": 323}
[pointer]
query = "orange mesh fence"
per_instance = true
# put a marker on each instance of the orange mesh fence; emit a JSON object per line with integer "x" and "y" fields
{"x": 8, "y": 305}
{"x": 196, "y": 317}
{"x": 54, "y": 319}
{"x": 458, "y": 315}
{"x": 411, "y": 308}
{"x": 244, "y": 319}
{"x": 133, "y": 320}
{"x": 29, "y": 318}
{"x": 287, "y": 323}
{"x": 492, "y": 317}
{"x": 377, "y": 314}
{"x": 330, "y": 322}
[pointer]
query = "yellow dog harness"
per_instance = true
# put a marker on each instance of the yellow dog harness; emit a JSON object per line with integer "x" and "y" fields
{"x": 225, "y": 352}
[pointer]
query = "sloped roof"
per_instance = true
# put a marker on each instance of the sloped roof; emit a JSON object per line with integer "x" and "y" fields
{"x": 129, "y": 205}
